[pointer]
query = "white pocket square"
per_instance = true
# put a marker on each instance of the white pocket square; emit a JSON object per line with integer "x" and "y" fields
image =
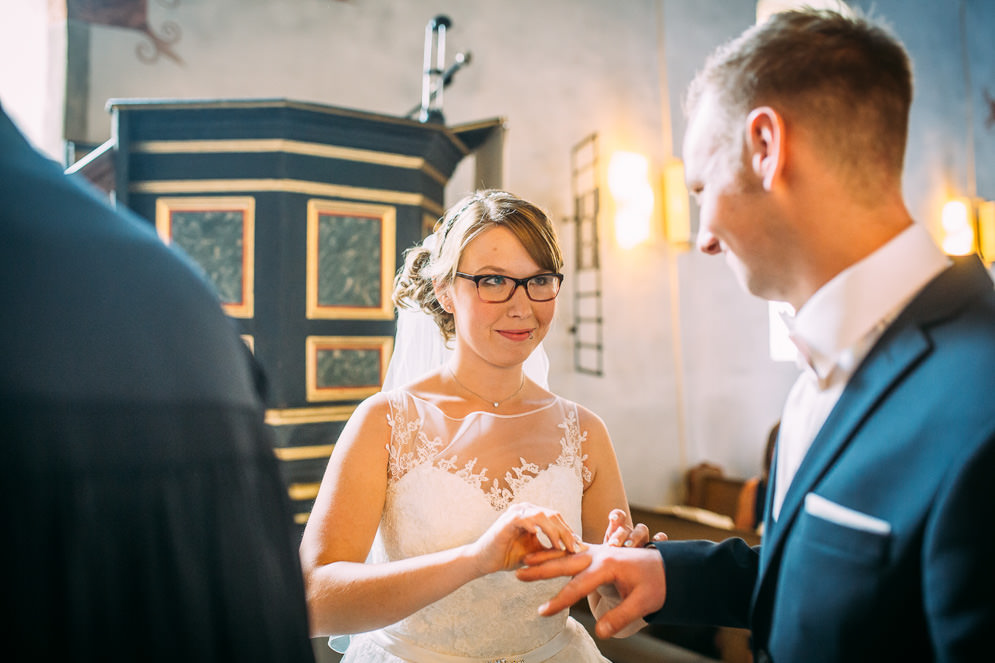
{"x": 835, "y": 513}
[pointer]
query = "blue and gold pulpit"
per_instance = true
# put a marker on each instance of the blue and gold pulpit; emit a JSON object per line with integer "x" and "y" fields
{"x": 299, "y": 214}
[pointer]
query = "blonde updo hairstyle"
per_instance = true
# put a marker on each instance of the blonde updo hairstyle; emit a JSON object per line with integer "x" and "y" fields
{"x": 427, "y": 266}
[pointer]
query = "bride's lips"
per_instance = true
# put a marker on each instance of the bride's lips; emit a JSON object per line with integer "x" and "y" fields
{"x": 515, "y": 334}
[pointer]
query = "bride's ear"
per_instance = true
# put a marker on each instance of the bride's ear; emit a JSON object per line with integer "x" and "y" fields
{"x": 443, "y": 296}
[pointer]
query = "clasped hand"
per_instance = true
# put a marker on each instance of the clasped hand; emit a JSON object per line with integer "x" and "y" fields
{"x": 635, "y": 572}
{"x": 521, "y": 530}
{"x": 540, "y": 544}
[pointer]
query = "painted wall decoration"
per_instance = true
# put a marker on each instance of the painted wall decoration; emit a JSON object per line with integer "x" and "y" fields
{"x": 131, "y": 15}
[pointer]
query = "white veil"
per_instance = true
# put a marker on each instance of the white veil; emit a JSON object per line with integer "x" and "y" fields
{"x": 419, "y": 348}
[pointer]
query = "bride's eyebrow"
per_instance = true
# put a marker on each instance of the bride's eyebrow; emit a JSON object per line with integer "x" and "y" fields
{"x": 493, "y": 269}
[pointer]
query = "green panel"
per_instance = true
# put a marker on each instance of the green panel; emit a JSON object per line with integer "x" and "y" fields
{"x": 348, "y": 368}
{"x": 349, "y": 259}
{"x": 214, "y": 240}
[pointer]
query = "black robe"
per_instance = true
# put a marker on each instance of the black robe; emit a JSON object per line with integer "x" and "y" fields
{"x": 143, "y": 515}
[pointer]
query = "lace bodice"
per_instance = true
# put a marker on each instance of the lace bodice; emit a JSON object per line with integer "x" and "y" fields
{"x": 448, "y": 480}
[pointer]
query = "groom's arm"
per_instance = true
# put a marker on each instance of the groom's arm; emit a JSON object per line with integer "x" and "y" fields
{"x": 675, "y": 582}
{"x": 707, "y": 583}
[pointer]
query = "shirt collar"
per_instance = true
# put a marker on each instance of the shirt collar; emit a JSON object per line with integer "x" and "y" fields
{"x": 865, "y": 297}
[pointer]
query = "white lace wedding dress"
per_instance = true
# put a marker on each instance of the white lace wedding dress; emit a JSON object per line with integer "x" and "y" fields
{"x": 449, "y": 479}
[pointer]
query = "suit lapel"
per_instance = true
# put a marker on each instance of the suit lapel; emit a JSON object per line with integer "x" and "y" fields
{"x": 859, "y": 399}
{"x": 889, "y": 361}
{"x": 902, "y": 345}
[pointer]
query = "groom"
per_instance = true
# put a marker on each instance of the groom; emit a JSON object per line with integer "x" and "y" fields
{"x": 880, "y": 528}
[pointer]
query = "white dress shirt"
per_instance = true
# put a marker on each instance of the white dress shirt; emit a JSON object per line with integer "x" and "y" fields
{"x": 836, "y": 328}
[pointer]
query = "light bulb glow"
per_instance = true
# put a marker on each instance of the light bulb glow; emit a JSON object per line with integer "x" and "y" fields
{"x": 958, "y": 233}
{"x": 628, "y": 181}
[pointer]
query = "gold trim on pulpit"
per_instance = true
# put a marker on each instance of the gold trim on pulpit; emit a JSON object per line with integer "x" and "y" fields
{"x": 309, "y": 415}
{"x": 310, "y": 452}
{"x": 303, "y": 491}
{"x": 264, "y": 145}
{"x": 164, "y": 187}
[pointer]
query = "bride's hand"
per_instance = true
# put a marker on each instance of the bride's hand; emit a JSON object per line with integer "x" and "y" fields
{"x": 523, "y": 529}
{"x": 619, "y": 533}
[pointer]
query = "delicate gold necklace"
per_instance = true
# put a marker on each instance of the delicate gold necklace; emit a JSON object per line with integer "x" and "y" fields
{"x": 492, "y": 402}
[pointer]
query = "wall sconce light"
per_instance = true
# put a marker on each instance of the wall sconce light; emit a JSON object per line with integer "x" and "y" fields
{"x": 677, "y": 208}
{"x": 628, "y": 181}
{"x": 969, "y": 227}
{"x": 986, "y": 230}
{"x": 958, "y": 227}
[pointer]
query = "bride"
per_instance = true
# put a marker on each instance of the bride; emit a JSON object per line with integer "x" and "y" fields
{"x": 437, "y": 488}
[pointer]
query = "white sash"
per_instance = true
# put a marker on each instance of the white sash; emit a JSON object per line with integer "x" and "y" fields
{"x": 403, "y": 648}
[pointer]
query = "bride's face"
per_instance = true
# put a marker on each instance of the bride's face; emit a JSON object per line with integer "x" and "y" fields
{"x": 503, "y": 333}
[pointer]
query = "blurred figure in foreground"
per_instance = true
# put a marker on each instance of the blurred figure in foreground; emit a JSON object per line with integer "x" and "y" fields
{"x": 143, "y": 510}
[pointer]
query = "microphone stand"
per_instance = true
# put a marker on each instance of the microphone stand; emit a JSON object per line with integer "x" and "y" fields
{"x": 434, "y": 77}
{"x": 460, "y": 60}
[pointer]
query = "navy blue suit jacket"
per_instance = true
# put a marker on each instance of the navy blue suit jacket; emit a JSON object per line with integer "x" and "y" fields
{"x": 911, "y": 443}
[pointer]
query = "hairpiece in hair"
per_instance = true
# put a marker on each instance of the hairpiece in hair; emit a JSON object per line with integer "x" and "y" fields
{"x": 452, "y": 219}
{"x": 476, "y": 198}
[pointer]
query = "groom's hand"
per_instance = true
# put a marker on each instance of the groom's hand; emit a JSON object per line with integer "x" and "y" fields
{"x": 636, "y": 573}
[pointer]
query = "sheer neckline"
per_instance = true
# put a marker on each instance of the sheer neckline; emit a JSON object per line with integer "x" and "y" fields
{"x": 425, "y": 440}
{"x": 499, "y": 415}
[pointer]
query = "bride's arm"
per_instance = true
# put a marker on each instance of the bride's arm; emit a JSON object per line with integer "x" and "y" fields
{"x": 605, "y": 504}
{"x": 605, "y": 493}
{"x": 345, "y": 595}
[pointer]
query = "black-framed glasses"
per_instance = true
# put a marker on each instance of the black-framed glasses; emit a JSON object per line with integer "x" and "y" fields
{"x": 497, "y": 288}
